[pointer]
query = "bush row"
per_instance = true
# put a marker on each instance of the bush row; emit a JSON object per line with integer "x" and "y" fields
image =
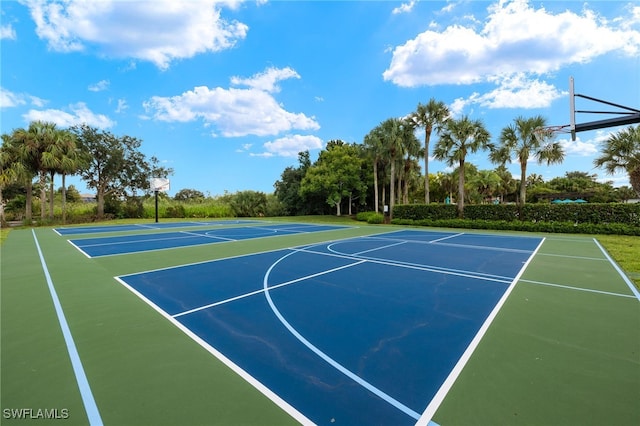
{"x": 628, "y": 214}
{"x": 554, "y": 227}
{"x": 370, "y": 217}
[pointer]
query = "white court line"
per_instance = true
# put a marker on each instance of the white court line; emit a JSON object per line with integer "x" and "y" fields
{"x": 79, "y": 249}
{"x": 626, "y": 279}
{"x": 573, "y": 257}
{"x": 370, "y": 250}
{"x": 138, "y": 241}
{"x": 397, "y": 404}
{"x": 445, "y": 238}
{"x": 505, "y": 249}
{"x": 578, "y": 288}
{"x": 81, "y": 378}
{"x": 297, "y": 415}
{"x": 252, "y": 293}
{"x": 453, "y": 376}
{"x": 418, "y": 266}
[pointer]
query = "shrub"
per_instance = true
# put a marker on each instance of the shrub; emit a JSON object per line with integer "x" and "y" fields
{"x": 375, "y": 218}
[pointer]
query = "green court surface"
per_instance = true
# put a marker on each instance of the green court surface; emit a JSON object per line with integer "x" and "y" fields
{"x": 563, "y": 350}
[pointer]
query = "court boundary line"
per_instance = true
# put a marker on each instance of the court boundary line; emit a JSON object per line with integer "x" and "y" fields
{"x": 624, "y": 276}
{"x": 90, "y": 406}
{"x": 259, "y": 386}
{"x": 441, "y": 394}
{"x": 574, "y": 257}
{"x": 471, "y": 246}
{"x": 568, "y": 287}
{"x": 336, "y": 228}
{"x": 428, "y": 268}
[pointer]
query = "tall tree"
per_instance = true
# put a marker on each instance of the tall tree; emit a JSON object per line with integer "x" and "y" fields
{"x": 69, "y": 162}
{"x": 621, "y": 151}
{"x": 459, "y": 138}
{"x": 431, "y": 116}
{"x": 397, "y": 136}
{"x": 522, "y": 140}
{"x": 375, "y": 154}
{"x": 115, "y": 165}
{"x": 287, "y": 188}
{"x": 336, "y": 173}
{"x": 36, "y": 152}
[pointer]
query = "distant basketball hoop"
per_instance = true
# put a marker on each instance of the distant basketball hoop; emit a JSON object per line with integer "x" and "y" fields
{"x": 159, "y": 184}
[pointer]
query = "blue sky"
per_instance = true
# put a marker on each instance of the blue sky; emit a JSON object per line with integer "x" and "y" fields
{"x": 227, "y": 93}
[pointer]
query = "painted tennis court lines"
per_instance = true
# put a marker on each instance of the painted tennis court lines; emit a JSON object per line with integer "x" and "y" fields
{"x": 247, "y": 301}
{"x": 135, "y": 243}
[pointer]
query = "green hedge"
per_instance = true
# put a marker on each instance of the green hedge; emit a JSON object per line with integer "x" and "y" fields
{"x": 628, "y": 214}
{"x": 556, "y": 227}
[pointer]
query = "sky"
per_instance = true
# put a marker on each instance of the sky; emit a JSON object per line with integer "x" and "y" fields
{"x": 226, "y": 93}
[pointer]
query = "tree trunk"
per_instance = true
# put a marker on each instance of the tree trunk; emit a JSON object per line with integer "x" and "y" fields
{"x": 634, "y": 180}
{"x": 461, "y": 190}
{"x": 64, "y": 199}
{"x": 51, "y": 197}
{"x": 350, "y": 202}
{"x": 523, "y": 183}
{"x": 338, "y": 207}
{"x": 392, "y": 194}
{"x": 100, "y": 203}
{"x": 427, "y": 134}
{"x": 28, "y": 214}
{"x": 43, "y": 195}
{"x": 375, "y": 186}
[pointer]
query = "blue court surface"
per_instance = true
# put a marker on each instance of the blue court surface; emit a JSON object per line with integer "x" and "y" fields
{"x": 123, "y": 244}
{"x": 357, "y": 331}
{"x": 145, "y": 226}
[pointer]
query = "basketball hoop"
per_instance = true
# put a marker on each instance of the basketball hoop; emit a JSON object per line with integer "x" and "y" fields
{"x": 544, "y": 134}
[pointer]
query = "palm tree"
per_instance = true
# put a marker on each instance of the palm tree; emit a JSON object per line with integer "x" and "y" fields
{"x": 36, "y": 150}
{"x": 522, "y": 140}
{"x": 430, "y": 116}
{"x": 69, "y": 161}
{"x": 373, "y": 144}
{"x": 622, "y": 152}
{"x": 487, "y": 183}
{"x": 397, "y": 138}
{"x": 459, "y": 138}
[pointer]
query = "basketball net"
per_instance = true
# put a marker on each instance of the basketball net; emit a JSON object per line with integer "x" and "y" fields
{"x": 547, "y": 133}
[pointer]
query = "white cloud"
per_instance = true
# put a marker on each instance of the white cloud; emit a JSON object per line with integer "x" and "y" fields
{"x": 234, "y": 111}
{"x": 99, "y": 86}
{"x": 9, "y": 99}
{"x": 266, "y": 81}
{"x": 578, "y": 147}
{"x": 80, "y": 114}
{"x": 291, "y": 145}
{"x": 7, "y": 32}
{"x": 512, "y": 91}
{"x": 158, "y": 31}
{"x": 404, "y": 7}
{"x": 515, "y": 38}
{"x": 122, "y": 106}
